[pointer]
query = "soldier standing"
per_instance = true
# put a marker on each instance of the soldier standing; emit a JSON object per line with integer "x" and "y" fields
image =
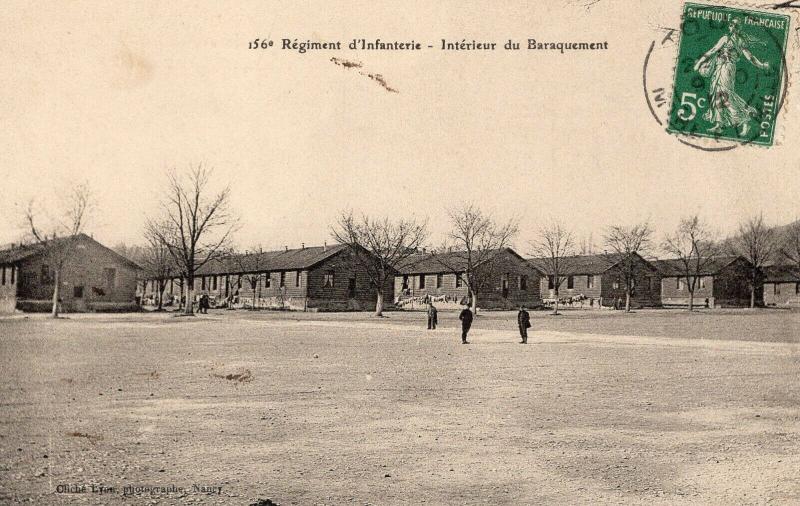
{"x": 432, "y": 316}
{"x": 524, "y": 322}
{"x": 466, "y": 323}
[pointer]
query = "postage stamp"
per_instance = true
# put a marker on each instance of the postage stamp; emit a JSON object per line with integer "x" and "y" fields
{"x": 730, "y": 74}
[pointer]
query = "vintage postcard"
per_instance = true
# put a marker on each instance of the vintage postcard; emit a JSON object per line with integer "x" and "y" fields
{"x": 384, "y": 253}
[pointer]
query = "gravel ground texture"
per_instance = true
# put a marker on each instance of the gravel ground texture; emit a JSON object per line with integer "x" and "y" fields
{"x": 243, "y": 407}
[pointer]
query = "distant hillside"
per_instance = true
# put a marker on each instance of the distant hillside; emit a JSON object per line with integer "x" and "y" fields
{"x": 781, "y": 231}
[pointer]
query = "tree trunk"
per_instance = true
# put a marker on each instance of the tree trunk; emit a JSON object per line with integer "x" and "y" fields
{"x": 474, "y": 297}
{"x": 752, "y": 295}
{"x": 189, "y": 309}
{"x": 56, "y": 293}
{"x": 161, "y": 295}
{"x": 691, "y": 301}
{"x": 379, "y": 303}
{"x": 628, "y": 300}
{"x": 555, "y": 307}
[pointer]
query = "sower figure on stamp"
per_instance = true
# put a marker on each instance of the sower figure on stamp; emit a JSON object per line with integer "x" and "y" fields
{"x": 432, "y": 316}
{"x": 726, "y": 107}
{"x": 466, "y": 323}
{"x": 524, "y": 322}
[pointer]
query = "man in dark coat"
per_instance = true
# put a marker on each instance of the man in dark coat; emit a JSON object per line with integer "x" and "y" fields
{"x": 524, "y": 322}
{"x": 466, "y": 323}
{"x": 432, "y": 316}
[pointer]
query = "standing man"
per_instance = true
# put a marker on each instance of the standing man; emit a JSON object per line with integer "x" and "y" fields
{"x": 432, "y": 316}
{"x": 466, "y": 323}
{"x": 524, "y": 322}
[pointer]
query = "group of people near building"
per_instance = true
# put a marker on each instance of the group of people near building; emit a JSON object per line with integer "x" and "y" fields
{"x": 466, "y": 317}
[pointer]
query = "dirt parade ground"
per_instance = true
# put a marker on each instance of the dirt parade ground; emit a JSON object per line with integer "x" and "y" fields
{"x": 241, "y": 407}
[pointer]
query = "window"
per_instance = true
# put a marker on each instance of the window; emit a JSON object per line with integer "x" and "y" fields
{"x": 46, "y": 274}
{"x": 405, "y": 281}
{"x": 328, "y": 280}
{"x": 239, "y": 282}
{"x": 283, "y": 279}
{"x": 776, "y": 288}
{"x": 77, "y": 292}
{"x": 523, "y": 282}
{"x": 616, "y": 284}
{"x": 213, "y": 282}
{"x": 267, "y": 280}
{"x": 422, "y": 281}
{"x": 297, "y": 279}
{"x": 796, "y": 285}
{"x": 590, "y": 281}
{"x": 680, "y": 284}
{"x": 459, "y": 281}
{"x": 110, "y": 274}
{"x": 13, "y": 272}
{"x": 570, "y": 282}
{"x": 438, "y": 281}
{"x": 202, "y": 282}
{"x": 701, "y": 281}
{"x": 28, "y": 279}
{"x": 551, "y": 282}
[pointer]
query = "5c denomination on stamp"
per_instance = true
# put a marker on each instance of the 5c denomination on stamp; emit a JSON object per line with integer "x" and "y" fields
{"x": 730, "y": 74}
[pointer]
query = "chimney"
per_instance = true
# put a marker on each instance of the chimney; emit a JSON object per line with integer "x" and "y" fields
{"x": 325, "y": 246}
{"x": 302, "y": 245}
{"x": 424, "y": 250}
{"x": 286, "y": 248}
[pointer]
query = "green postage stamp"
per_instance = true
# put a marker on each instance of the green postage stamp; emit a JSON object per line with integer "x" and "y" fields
{"x": 730, "y": 74}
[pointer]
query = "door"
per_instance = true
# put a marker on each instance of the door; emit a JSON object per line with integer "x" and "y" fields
{"x": 351, "y": 288}
{"x": 78, "y": 300}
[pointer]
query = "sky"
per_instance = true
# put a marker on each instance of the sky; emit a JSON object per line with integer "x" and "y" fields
{"x": 117, "y": 94}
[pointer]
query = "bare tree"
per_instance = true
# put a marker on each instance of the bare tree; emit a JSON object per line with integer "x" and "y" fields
{"x": 756, "y": 242}
{"x": 694, "y": 246}
{"x": 59, "y": 245}
{"x": 133, "y": 252}
{"x": 234, "y": 284}
{"x": 199, "y": 222}
{"x": 552, "y": 247}
{"x": 249, "y": 265}
{"x": 629, "y": 243}
{"x": 586, "y": 245}
{"x": 377, "y": 245}
{"x": 157, "y": 260}
{"x": 474, "y": 243}
{"x": 790, "y": 246}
